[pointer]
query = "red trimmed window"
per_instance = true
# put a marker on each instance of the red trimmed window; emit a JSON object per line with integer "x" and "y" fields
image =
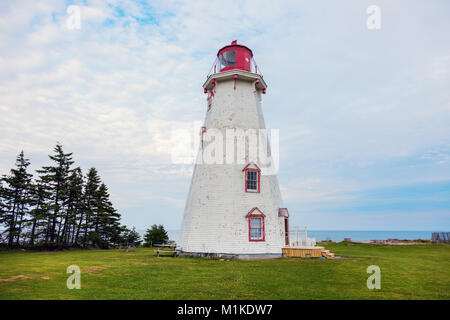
{"x": 256, "y": 228}
{"x": 202, "y": 132}
{"x": 252, "y": 179}
{"x": 209, "y": 100}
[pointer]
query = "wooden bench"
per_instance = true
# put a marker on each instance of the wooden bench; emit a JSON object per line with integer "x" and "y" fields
{"x": 127, "y": 247}
{"x": 166, "y": 248}
{"x": 158, "y": 251}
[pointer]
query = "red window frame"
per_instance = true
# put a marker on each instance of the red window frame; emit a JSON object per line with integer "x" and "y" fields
{"x": 209, "y": 100}
{"x": 286, "y": 232}
{"x": 258, "y": 176}
{"x": 202, "y": 132}
{"x": 251, "y": 215}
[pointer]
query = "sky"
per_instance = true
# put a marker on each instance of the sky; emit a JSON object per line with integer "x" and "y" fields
{"x": 363, "y": 114}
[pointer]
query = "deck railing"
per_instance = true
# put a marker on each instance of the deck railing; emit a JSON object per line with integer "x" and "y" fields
{"x": 298, "y": 237}
{"x": 215, "y": 68}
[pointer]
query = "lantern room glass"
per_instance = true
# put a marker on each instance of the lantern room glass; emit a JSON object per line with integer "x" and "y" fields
{"x": 227, "y": 59}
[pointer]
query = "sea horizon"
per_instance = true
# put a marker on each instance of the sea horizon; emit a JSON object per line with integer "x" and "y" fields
{"x": 355, "y": 235}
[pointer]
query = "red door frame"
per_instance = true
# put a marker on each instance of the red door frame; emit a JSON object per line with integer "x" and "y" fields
{"x": 286, "y": 231}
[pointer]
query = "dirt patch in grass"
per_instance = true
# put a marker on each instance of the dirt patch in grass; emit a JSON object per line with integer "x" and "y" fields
{"x": 14, "y": 278}
{"x": 93, "y": 269}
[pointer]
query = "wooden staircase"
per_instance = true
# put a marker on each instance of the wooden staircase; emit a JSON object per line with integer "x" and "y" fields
{"x": 327, "y": 254}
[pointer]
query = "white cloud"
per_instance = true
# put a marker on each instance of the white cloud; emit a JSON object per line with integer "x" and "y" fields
{"x": 345, "y": 98}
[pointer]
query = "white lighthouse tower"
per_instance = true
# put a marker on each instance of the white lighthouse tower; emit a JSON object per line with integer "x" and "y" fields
{"x": 234, "y": 206}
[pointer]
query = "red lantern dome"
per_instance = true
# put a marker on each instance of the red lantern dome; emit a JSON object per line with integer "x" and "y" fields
{"x": 234, "y": 56}
{"x": 234, "y": 61}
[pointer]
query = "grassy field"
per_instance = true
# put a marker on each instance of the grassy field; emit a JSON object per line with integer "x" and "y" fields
{"x": 407, "y": 272}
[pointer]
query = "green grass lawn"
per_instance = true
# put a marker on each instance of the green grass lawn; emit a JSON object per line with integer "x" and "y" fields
{"x": 407, "y": 272}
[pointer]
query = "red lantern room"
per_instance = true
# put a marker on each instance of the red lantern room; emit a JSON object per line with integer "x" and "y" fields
{"x": 234, "y": 61}
{"x": 234, "y": 56}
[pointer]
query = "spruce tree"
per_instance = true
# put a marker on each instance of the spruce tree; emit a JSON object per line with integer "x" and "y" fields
{"x": 16, "y": 199}
{"x": 61, "y": 206}
{"x": 56, "y": 179}
{"x": 90, "y": 204}
{"x": 155, "y": 235}
{"x": 132, "y": 236}
{"x": 75, "y": 206}
{"x": 4, "y": 210}
{"x": 106, "y": 218}
{"x": 39, "y": 212}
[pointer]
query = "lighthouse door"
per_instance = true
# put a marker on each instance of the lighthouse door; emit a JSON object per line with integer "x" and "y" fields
{"x": 286, "y": 231}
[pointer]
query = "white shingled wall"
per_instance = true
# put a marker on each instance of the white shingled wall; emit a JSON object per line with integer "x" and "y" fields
{"x": 215, "y": 214}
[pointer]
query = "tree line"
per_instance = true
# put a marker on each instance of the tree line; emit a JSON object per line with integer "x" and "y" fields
{"x": 58, "y": 207}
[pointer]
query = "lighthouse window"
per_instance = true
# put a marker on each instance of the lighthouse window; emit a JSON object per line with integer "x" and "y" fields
{"x": 252, "y": 180}
{"x": 231, "y": 58}
{"x": 256, "y": 228}
{"x": 228, "y": 58}
{"x": 252, "y": 177}
{"x": 209, "y": 102}
{"x": 256, "y": 225}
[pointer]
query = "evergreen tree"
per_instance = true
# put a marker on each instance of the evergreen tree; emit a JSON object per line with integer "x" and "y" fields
{"x": 38, "y": 215}
{"x": 75, "y": 206}
{"x": 106, "y": 217}
{"x": 15, "y": 196}
{"x": 60, "y": 207}
{"x": 120, "y": 235}
{"x": 155, "y": 235}
{"x": 132, "y": 236}
{"x": 56, "y": 179}
{"x": 90, "y": 204}
{"x": 4, "y": 209}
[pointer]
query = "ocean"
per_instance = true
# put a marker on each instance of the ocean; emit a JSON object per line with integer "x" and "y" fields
{"x": 339, "y": 235}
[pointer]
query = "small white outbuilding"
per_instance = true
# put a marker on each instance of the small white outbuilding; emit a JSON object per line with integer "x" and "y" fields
{"x": 234, "y": 206}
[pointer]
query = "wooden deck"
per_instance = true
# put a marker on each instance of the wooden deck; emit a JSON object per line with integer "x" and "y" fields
{"x": 307, "y": 252}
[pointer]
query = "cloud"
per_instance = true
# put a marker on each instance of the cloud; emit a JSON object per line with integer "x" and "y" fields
{"x": 357, "y": 109}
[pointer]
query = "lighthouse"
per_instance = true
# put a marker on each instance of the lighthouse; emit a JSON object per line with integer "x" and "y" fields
{"x": 234, "y": 205}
